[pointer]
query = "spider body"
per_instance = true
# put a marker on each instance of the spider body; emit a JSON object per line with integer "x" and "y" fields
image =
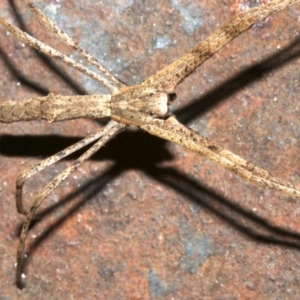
{"x": 138, "y": 105}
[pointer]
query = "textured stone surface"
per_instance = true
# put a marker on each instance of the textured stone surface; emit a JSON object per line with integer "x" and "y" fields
{"x": 145, "y": 219}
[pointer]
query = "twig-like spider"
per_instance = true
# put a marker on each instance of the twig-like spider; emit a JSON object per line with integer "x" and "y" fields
{"x": 145, "y": 105}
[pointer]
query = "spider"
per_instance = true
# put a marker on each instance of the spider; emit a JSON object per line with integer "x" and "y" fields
{"x": 127, "y": 106}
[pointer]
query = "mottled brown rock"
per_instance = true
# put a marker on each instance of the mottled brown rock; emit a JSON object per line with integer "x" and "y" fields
{"x": 156, "y": 227}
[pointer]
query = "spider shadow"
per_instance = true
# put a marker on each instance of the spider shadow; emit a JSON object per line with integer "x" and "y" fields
{"x": 242, "y": 79}
{"x": 139, "y": 151}
{"x": 244, "y": 221}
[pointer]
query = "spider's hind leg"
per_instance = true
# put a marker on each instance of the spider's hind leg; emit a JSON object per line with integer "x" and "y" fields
{"x": 112, "y": 83}
{"x": 51, "y": 160}
{"x": 109, "y": 132}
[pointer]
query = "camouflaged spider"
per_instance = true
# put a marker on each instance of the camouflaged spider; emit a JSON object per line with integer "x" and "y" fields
{"x": 144, "y": 105}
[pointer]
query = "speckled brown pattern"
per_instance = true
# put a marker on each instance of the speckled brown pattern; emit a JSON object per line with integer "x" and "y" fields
{"x": 145, "y": 219}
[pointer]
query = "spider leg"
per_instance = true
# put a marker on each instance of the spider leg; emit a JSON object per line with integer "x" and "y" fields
{"x": 40, "y": 46}
{"x": 68, "y": 40}
{"x": 53, "y": 159}
{"x": 173, "y": 74}
{"x": 116, "y": 128}
{"x": 174, "y": 131}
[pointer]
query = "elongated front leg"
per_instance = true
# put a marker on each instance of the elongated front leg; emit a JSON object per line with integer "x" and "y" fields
{"x": 174, "y": 131}
{"x": 173, "y": 74}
